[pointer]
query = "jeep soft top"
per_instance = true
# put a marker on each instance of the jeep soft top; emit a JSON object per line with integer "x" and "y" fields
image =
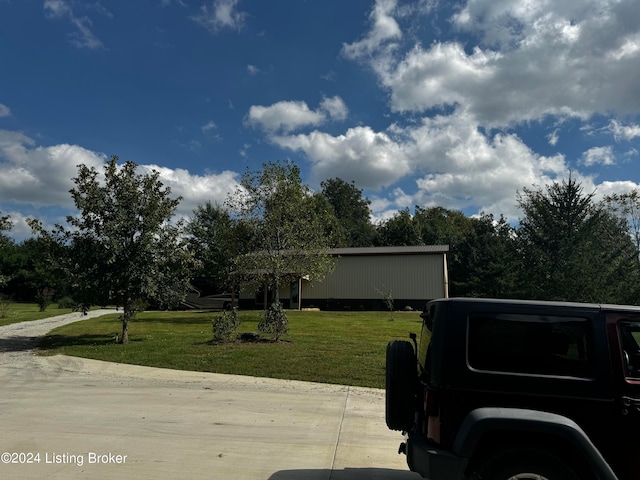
{"x": 500, "y": 389}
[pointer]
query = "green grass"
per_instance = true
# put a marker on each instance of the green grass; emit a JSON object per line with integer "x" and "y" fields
{"x": 26, "y": 312}
{"x": 345, "y": 348}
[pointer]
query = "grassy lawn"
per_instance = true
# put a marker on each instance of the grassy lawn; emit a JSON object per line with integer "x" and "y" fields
{"x": 24, "y": 312}
{"x": 329, "y": 347}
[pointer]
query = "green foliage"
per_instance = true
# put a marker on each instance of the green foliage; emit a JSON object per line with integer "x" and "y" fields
{"x": 399, "y": 231}
{"x": 214, "y": 240}
{"x": 5, "y": 244}
{"x": 44, "y": 298}
{"x": 286, "y": 234}
{"x": 66, "y": 302}
{"x": 352, "y": 211}
{"x": 573, "y": 249}
{"x": 5, "y": 305}
{"x": 122, "y": 246}
{"x": 225, "y": 326}
{"x": 274, "y": 322}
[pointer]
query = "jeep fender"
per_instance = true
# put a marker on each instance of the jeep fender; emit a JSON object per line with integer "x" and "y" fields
{"x": 490, "y": 419}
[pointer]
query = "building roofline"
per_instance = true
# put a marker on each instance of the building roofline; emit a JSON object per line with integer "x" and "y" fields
{"x": 411, "y": 250}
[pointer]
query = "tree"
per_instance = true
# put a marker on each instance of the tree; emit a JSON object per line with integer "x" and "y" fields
{"x": 485, "y": 260}
{"x": 626, "y": 206}
{"x": 123, "y": 247}
{"x": 214, "y": 241}
{"x": 352, "y": 211}
{"x": 398, "y": 231}
{"x": 5, "y": 244}
{"x": 287, "y": 235}
{"x": 570, "y": 248}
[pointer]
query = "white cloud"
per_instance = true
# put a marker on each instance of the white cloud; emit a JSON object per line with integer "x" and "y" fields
{"x": 383, "y": 29}
{"x": 4, "y": 111}
{"x": 371, "y": 159}
{"x": 42, "y": 176}
{"x": 624, "y": 132}
{"x": 210, "y": 125}
{"x": 219, "y": 15}
{"x": 520, "y": 60}
{"x": 334, "y": 107}
{"x": 287, "y": 116}
{"x": 598, "y": 156}
{"x": 253, "y": 70}
{"x": 83, "y": 37}
{"x": 196, "y": 189}
{"x": 553, "y": 137}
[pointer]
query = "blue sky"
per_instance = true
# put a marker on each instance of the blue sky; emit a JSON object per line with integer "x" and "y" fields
{"x": 456, "y": 104}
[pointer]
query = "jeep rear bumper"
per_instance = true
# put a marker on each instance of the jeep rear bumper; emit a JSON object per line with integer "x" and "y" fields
{"x": 433, "y": 463}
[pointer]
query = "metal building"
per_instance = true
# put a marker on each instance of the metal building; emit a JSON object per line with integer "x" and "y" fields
{"x": 364, "y": 277}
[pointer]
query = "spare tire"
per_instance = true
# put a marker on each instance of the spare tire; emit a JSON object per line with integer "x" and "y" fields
{"x": 401, "y": 385}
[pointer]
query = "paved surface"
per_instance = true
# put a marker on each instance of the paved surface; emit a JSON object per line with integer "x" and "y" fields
{"x": 83, "y": 418}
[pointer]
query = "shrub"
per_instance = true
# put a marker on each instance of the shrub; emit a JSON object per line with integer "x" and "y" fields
{"x": 5, "y": 306}
{"x": 44, "y": 298}
{"x": 274, "y": 321}
{"x": 225, "y": 325}
{"x": 66, "y": 302}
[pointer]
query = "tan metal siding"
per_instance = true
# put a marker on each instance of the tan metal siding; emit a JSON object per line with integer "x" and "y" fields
{"x": 365, "y": 277}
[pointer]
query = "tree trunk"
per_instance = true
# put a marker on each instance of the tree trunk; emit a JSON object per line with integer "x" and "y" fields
{"x": 126, "y": 316}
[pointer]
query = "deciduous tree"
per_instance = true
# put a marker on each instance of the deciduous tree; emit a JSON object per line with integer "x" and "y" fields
{"x": 287, "y": 234}
{"x": 123, "y": 247}
{"x": 352, "y": 211}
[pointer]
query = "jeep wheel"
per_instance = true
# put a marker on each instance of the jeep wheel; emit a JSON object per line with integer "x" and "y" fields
{"x": 525, "y": 464}
{"x": 401, "y": 383}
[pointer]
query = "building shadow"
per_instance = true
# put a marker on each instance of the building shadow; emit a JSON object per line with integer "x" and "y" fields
{"x": 346, "y": 474}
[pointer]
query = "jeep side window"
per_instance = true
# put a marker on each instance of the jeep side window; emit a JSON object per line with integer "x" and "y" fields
{"x": 531, "y": 344}
{"x": 630, "y": 336}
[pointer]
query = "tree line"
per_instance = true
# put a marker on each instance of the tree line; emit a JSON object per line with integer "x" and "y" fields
{"x": 124, "y": 248}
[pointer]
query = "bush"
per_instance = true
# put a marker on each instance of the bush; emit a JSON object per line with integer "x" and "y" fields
{"x": 5, "y": 305}
{"x": 274, "y": 321}
{"x": 44, "y": 298}
{"x": 225, "y": 325}
{"x": 66, "y": 302}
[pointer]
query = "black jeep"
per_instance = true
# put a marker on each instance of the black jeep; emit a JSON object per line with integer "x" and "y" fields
{"x": 507, "y": 389}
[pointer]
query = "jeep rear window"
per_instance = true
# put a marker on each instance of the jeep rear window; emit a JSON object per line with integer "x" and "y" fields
{"x": 531, "y": 344}
{"x": 630, "y": 337}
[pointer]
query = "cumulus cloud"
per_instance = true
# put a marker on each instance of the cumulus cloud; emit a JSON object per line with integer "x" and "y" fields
{"x": 4, "y": 111}
{"x": 372, "y": 159}
{"x": 219, "y": 15}
{"x": 196, "y": 189}
{"x": 41, "y": 176}
{"x": 519, "y": 61}
{"x": 598, "y": 156}
{"x": 287, "y": 116}
{"x": 83, "y": 37}
{"x": 384, "y": 28}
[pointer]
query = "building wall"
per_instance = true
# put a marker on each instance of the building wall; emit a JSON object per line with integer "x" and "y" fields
{"x": 360, "y": 281}
{"x": 367, "y": 277}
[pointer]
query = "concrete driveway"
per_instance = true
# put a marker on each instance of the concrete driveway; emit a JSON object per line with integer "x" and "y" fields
{"x": 68, "y": 418}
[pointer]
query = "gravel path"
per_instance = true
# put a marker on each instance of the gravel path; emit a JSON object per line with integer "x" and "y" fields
{"x": 19, "y": 340}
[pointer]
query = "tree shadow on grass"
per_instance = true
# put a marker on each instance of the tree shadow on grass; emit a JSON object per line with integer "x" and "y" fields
{"x": 201, "y": 320}
{"x": 57, "y": 341}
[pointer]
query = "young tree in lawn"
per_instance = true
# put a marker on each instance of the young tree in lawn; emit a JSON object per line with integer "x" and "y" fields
{"x": 287, "y": 236}
{"x": 123, "y": 247}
